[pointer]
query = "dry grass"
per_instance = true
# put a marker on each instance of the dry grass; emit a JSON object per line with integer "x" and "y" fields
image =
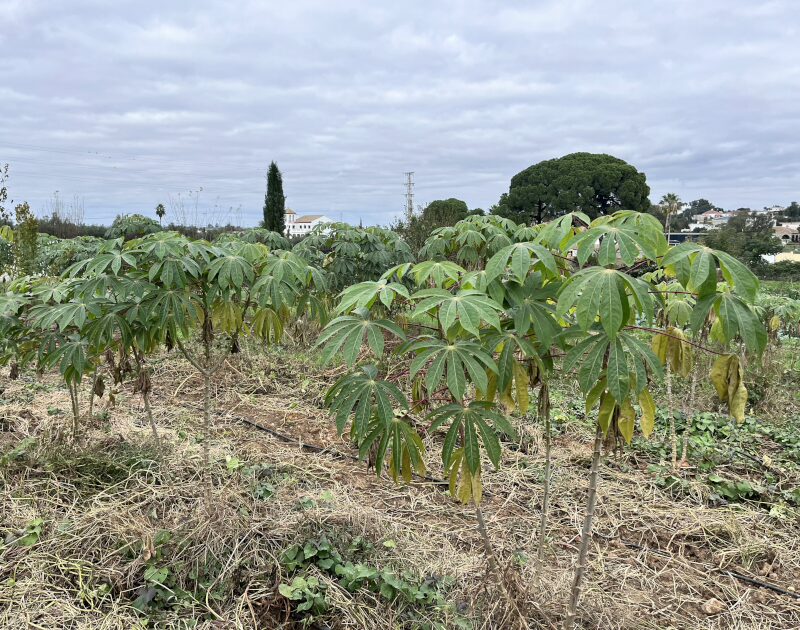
{"x": 655, "y": 562}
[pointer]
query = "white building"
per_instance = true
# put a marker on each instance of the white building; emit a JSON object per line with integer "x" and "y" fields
{"x": 302, "y": 225}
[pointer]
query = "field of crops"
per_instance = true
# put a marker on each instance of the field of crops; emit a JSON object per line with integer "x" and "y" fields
{"x": 565, "y": 425}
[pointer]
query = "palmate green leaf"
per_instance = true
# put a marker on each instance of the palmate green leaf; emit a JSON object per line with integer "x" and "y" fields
{"x": 396, "y": 273}
{"x": 617, "y": 372}
{"x": 532, "y": 306}
{"x": 107, "y": 329}
{"x": 174, "y": 310}
{"x": 468, "y": 308}
{"x": 454, "y": 363}
{"x": 647, "y": 227}
{"x": 558, "y": 232}
{"x": 737, "y": 319}
{"x": 509, "y": 345}
{"x": 112, "y": 261}
{"x": 606, "y": 294}
{"x": 365, "y": 397}
{"x": 347, "y": 334}
{"x": 275, "y": 292}
{"x": 159, "y": 245}
{"x": 365, "y": 294}
{"x": 610, "y": 241}
{"x": 482, "y": 425}
{"x": 630, "y": 362}
{"x": 267, "y": 325}
{"x": 401, "y": 442}
{"x": 173, "y": 272}
{"x": 230, "y": 271}
{"x": 521, "y": 258}
{"x": 68, "y": 315}
{"x": 696, "y": 268}
{"x": 441, "y": 273}
{"x": 69, "y": 353}
{"x": 592, "y": 365}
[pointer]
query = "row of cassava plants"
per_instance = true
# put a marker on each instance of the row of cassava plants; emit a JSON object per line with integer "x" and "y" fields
{"x": 458, "y": 347}
{"x": 110, "y": 313}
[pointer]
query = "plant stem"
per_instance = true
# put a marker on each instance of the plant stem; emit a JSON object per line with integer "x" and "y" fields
{"x": 149, "y": 412}
{"x": 586, "y": 533}
{"x": 91, "y": 394}
{"x": 207, "y": 423}
{"x": 672, "y": 437}
{"x": 689, "y": 415}
{"x": 494, "y": 567}
{"x": 73, "y": 396}
{"x": 544, "y": 414}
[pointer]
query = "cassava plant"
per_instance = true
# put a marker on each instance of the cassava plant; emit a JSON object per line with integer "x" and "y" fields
{"x": 468, "y": 344}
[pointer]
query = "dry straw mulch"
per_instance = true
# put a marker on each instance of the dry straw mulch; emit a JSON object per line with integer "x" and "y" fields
{"x": 657, "y": 562}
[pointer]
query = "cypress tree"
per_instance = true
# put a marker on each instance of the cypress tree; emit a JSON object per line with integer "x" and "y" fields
{"x": 274, "y": 201}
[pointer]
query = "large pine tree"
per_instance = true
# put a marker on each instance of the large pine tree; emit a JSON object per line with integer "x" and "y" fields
{"x": 274, "y": 201}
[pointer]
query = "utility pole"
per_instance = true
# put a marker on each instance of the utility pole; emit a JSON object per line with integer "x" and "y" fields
{"x": 409, "y": 195}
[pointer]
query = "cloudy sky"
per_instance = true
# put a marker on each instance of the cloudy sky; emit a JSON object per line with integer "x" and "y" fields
{"x": 128, "y": 104}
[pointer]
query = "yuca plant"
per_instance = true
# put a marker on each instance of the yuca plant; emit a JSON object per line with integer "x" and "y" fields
{"x": 474, "y": 342}
{"x": 196, "y": 290}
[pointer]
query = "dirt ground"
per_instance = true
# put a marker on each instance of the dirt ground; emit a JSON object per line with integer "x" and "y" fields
{"x": 657, "y": 561}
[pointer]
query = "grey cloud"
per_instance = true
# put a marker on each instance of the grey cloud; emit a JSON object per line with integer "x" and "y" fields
{"x": 129, "y": 105}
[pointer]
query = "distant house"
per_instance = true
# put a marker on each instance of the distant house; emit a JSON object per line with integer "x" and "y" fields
{"x": 302, "y": 225}
{"x": 713, "y": 217}
{"x": 787, "y": 234}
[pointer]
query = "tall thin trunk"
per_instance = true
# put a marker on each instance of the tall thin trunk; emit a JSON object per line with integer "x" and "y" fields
{"x": 667, "y": 222}
{"x": 586, "y": 533}
{"x": 544, "y": 414}
{"x": 672, "y": 436}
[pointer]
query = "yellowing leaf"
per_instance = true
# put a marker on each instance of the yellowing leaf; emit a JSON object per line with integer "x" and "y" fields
{"x": 607, "y": 405}
{"x": 491, "y": 389}
{"x": 521, "y": 382}
{"x": 648, "y": 420}
{"x": 594, "y": 395}
{"x": 464, "y": 485}
{"x": 774, "y": 323}
{"x": 626, "y": 420}
{"x": 719, "y": 376}
{"x": 660, "y": 347}
{"x": 728, "y": 379}
{"x": 737, "y": 393}
{"x": 687, "y": 353}
{"x": 507, "y": 400}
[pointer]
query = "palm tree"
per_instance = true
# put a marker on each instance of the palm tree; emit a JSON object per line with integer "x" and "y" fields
{"x": 671, "y": 204}
{"x": 160, "y": 212}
